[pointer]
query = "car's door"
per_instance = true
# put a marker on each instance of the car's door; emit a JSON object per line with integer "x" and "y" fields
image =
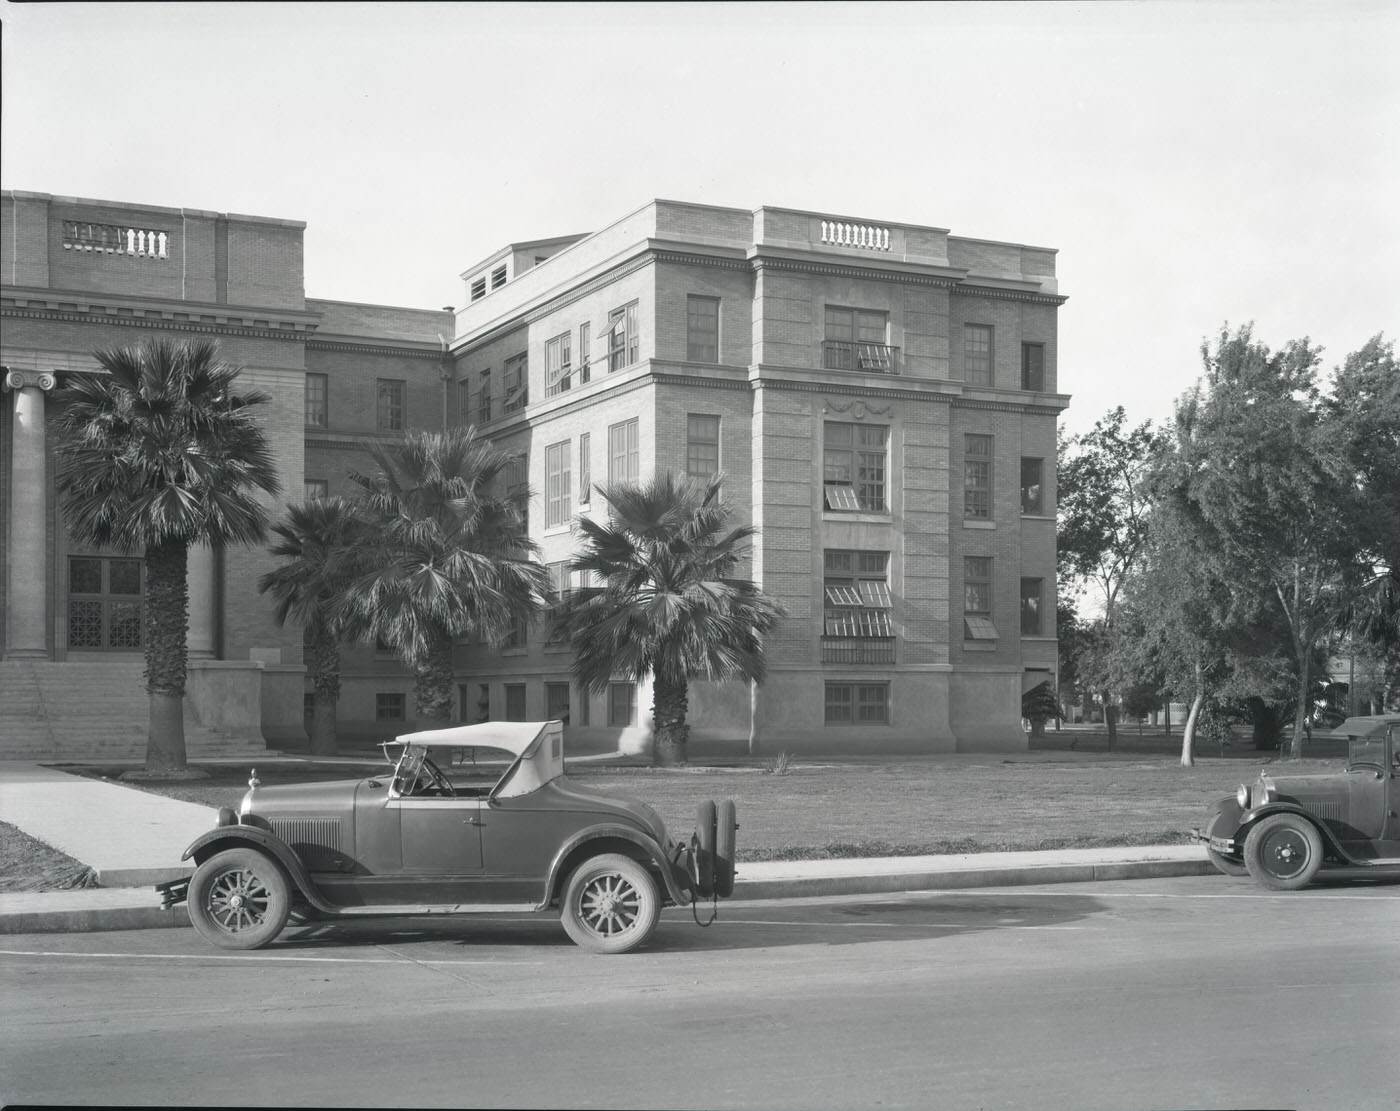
{"x": 520, "y": 838}
{"x": 440, "y": 846}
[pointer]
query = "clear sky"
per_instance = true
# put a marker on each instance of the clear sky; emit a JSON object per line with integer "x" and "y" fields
{"x": 1193, "y": 162}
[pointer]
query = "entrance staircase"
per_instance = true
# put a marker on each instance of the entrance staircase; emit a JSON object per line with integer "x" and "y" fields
{"x": 90, "y": 712}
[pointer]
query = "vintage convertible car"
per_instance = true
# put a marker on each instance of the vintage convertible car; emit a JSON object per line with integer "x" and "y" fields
{"x": 1283, "y": 830}
{"x": 476, "y": 819}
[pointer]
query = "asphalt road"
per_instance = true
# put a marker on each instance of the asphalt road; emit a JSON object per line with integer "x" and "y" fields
{"x": 1173, "y": 993}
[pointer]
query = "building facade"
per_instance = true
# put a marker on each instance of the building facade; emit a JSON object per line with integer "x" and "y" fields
{"x": 881, "y": 400}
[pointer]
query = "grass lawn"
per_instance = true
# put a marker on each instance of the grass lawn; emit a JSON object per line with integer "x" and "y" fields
{"x": 819, "y": 809}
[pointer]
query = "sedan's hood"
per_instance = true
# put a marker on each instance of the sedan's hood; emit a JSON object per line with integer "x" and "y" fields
{"x": 332, "y": 794}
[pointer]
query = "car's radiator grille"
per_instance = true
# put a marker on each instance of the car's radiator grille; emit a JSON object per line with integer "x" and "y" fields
{"x": 315, "y": 840}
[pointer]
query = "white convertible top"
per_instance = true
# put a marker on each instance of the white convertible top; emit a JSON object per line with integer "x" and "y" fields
{"x": 538, "y": 748}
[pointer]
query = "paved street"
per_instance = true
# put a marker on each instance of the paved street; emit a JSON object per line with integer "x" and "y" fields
{"x": 1185, "y": 992}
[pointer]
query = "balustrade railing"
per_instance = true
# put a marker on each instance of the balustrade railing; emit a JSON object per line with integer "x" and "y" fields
{"x": 857, "y": 650}
{"x": 114, "y": 239}
{"x": 869, "y": 237}
{"x": 874, "y": 358}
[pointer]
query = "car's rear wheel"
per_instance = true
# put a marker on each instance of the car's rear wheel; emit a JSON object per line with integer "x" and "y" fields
{"x": 239, "y": 899}
{"x": 610, "y": 904}
{"x": 1226, "y": 864}
{"x": 1283, "y": 852}
{"x": 726, "y": 824}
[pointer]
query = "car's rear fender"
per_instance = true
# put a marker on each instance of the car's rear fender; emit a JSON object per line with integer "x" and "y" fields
{"x": 600, "y": 839}
{"x": 1252, "y": 818}
{"x": 253, "y": 837}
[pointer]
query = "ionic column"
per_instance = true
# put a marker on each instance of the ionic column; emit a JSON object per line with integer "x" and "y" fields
{"x": 27, "y": 558}
{"x": 200, "y": 583}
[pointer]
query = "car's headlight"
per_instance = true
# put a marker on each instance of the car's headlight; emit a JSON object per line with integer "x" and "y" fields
{"x": 1242, "y": 796}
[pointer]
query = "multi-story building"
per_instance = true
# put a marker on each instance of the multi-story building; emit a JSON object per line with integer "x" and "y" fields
{"x": 880, "y": 398}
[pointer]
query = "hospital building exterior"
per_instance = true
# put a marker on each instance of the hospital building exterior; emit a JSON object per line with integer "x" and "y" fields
{"x": 880, "y": 399}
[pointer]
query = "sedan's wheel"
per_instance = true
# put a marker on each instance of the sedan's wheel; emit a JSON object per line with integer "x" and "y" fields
{"x": 610, "y": 905}
{"x": 1226, "y": 864}
{"x": 725, "y": 827}
{"x": 239, "y": 899}
{"x": 1283, "y": 852}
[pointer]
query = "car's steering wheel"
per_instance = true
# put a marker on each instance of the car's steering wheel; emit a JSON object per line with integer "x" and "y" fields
{"x": 436, "y": 779}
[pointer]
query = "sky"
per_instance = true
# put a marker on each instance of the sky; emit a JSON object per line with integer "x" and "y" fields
{"x": 1195, "y": 164}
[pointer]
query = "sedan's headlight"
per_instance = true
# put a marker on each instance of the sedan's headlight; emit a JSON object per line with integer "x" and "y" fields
{"x": 1242, "y": 796}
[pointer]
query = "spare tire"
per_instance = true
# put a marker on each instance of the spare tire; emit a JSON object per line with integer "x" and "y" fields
{"x": 725, "y": 826}
{"x": 702, "y": 850}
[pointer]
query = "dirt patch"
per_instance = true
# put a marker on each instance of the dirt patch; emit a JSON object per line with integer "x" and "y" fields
{"x": 28, "y": 864}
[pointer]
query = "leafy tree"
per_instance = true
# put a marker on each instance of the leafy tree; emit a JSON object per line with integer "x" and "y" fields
{"x": 320, "y": 544}
{"x": 666, "y": 603}
{"x": 1102, "y": 520}
{"x": 447, "y": 558}
{"x": 1266, "y": 482}
{"x": 159, "y": 453}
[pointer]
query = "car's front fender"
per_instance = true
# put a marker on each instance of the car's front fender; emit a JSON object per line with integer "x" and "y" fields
{"x": 244, "y": 836}
{"x": 1252, "y": 818}
{"x": 581, "y": 844}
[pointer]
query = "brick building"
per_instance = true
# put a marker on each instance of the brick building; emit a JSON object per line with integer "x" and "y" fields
{"x": 881, "y": 399}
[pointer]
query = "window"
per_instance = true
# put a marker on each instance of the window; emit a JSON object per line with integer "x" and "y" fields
{"x": 515, "y": 702}
{"x": 585, "y": 467}
{"x": 483, "y": 398}
{"x": 585, "y": 351}
{"x": 558, "y": 485}
{"x": 624, "y": 456}
{"x": 556, "y": 364}
{"x": 317, "y": 488}
{"x": 391, "y": 398}
{"x": 857, "y": 339}
{"x": 623, "y": 343}
{"x": 1032, "y": 498}
{"x": 857, "y": 594}
{"x": 516, "y": 383}
{"x": 464, "y": 401}
{"x": 104, "y": 602}
{"x": 622, "y": 704}
{"x": 701, "y": 445}
{"x": 498, "y": 277}
{"x": 316, "y": 386}
{"x": 516, "y": 474}
{"x": 977, "y": 354}
{"x": 977, "y": 477}
{"x": 479, "y": 289}
{"x": 1031, "y": 592}
{"x": 702, "y": 329}
{"x": 853, "y": 466}
{"x": 556, "y": 702}
{"x": 389, "y": 707}
{"x": 483, "y": 702}
{"x": 857, "y": 703}
{"x": 1033, "y": 366}
{"x": 977, "y": 598}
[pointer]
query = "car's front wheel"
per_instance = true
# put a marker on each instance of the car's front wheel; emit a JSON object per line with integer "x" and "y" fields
{"x": 239, "y": 899}
{"x": 610, "y": 904}
{"x": 1283, "y": 852}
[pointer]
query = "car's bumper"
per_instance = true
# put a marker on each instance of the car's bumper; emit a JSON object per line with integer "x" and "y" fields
{"x": 1223, "y": 845}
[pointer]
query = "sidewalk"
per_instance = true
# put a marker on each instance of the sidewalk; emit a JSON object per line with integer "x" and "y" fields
{"x": 133, "y": 840}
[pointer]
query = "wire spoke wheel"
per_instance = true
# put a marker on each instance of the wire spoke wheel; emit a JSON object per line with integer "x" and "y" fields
{"x": 611, "y": 904}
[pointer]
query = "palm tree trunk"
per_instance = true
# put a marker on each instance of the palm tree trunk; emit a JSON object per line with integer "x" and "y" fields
{"x": 166, "y": 609}
{"x": 325, "y": 684}
{"x": 669, "y": 706}
{"x": 433, "y": 683}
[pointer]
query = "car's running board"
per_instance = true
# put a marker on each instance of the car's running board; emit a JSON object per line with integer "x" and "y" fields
{"x": 422, "y": 910}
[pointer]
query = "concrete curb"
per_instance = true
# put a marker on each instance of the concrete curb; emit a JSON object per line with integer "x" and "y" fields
{"x": 138, "y": 908}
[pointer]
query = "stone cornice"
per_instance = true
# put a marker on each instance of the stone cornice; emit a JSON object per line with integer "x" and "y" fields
{"x": 433, "y": 352}
{"x": 98, "y": 309}
{"x": 853, "y": 268}
{"x": 792, "y": 379}
{"x": 972, "y": 289}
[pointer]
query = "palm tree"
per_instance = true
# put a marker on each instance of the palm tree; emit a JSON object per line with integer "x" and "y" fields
{"x": 448, "y": 557}
{"x": 665, "y": 604}
{"x": 319, "y": 544}
{"x": 159, "y": 453}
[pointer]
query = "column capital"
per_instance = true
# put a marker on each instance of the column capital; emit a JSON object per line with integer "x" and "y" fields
{"x": 44, "y": 380}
